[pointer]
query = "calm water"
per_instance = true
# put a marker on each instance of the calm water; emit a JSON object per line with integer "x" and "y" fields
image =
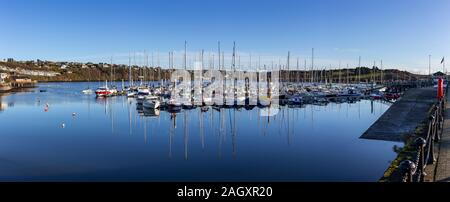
{"x": 110, "y": 139}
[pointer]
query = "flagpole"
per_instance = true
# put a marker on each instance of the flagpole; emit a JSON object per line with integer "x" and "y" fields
{"x": 429, "y": 65}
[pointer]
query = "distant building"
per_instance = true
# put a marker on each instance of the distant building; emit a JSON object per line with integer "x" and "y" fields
{"x": 9, "y": 60}
{"x": 22, "y": 81}
{"x": 63, "y": 66}
{"x": 3, "y": 76}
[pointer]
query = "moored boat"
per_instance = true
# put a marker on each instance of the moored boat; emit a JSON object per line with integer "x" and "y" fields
{"x": 151, "y": 102}
{"x": 105, "y": 91}
{"x": 87, "y": 91}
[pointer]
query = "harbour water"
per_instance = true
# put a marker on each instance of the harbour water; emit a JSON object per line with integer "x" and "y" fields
{"x": 83, "y": 138}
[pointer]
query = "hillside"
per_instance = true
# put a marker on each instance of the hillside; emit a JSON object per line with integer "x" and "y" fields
{"x": 66, "y": 71}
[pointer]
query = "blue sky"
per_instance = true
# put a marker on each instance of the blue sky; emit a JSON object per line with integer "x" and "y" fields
{"x": 402, "y": 33}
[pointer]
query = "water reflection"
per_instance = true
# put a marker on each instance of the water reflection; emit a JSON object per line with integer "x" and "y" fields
{"x": 117, "y": 135}
{"x": 283, "y": 123}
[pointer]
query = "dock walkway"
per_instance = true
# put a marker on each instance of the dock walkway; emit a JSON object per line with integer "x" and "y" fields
{"x": 403, "y": 117}
{"x": 442, "y": 173}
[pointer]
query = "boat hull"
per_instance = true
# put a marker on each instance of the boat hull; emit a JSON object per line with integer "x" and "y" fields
{"x": 151, "y": 104}
{"x": 103, "y": 93}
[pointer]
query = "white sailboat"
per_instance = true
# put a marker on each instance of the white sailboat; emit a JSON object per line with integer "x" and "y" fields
{"x": 88, "y": 90}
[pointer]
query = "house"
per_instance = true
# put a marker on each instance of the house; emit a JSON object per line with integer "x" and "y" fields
{"x": 63, "y": 66}
{"x": 3, "y": 76}
{"x": 22, "y": 82}
{"x": 20, "y": 79}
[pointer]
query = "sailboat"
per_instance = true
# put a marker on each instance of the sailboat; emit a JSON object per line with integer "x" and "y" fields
{"x": 104, "y": 91}
{"x": 88, "y": 90}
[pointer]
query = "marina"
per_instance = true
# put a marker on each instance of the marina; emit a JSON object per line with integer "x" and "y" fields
{"x": 230, "y": 100}
{"x": 85, "y": 137}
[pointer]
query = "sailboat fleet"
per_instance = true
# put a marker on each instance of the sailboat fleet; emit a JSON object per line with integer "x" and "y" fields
{"x": 317, "y": 91}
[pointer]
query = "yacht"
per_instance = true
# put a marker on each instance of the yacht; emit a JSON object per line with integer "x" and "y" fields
{"x": 295, "y": 100}
{"x": 151, "y": 102}
{"x": 105, "y": 91}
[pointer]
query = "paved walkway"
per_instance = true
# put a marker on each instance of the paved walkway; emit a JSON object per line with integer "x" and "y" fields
{"x": 443, "y": 164}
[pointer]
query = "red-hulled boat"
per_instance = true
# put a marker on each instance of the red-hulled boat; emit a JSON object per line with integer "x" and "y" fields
{"x": 105, "y": 91}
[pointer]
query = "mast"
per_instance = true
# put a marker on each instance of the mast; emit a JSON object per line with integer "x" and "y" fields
{"x": 381, "y": 68}
{"x": 287, "y": 66}
{"x": 158, "y": 67}
{"x": 218, "y": 49}
{"x": 339, "y": 71}
{"x": 306, "y": 75}
{"x": 146, "y": 66}
{"x": 298, "y": 71}
{"x": 185, "y": 55}
{"x": 443, "y": 65}
{"x": 373, "y": 72}
{"x": 429, "y": 65}
{"x": 157, "y": 57}
{"x": 203, "y": 52}
{"x": 347, "y": 74}
{"x": 359, "y": 70}
{"x": 234, "y": 56}
{"x": 129, "y": 70}
{"x": 111, "y": 73}
{"x": 173, "y": 61}
{"x": 134, "y": 59}
{"x": 312, "y": 65}
{"x": 170, "y": 63}
{"x": 259, "y": 62}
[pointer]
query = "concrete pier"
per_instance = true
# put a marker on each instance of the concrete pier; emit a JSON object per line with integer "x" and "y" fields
{"x": 403, "y": 116}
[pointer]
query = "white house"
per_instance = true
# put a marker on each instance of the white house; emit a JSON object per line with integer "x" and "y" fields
{"x": 63, "y": 66}
{"x": 3, "y": 76}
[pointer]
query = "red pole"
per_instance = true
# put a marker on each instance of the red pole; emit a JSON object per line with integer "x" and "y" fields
{"x": 440, "y": 88}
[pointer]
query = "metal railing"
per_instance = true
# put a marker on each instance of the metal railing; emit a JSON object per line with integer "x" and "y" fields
{"x": 414, "y": 170}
